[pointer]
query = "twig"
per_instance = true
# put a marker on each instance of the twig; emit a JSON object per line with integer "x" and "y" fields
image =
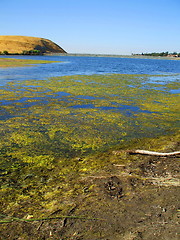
{"x": 40, "y": 225}
{"x": 145, "y": 152}
{"x": 70, "y": 212}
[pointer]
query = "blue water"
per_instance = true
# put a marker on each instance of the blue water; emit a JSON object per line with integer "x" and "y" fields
{"x": 71, "y": 65}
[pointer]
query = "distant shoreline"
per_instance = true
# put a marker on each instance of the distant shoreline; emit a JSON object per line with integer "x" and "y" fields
{"x": 110, "y": 55}
{"x": 97, "y": 55}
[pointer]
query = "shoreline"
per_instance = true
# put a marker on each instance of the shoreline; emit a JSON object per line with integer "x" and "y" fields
{"x": 96, "y": 55}
{"x": 110, "y": 55}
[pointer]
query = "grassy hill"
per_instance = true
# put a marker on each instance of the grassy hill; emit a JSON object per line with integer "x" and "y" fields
{"x": 18, "y": 44}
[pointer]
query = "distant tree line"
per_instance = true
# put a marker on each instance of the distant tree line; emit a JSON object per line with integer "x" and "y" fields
{"x": 30, "y": 52}
{"x": 161, "y": 54}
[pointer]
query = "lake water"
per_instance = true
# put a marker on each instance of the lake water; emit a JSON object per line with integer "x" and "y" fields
{"x": 88, "y": 103}
{"x": 88, "y": 65}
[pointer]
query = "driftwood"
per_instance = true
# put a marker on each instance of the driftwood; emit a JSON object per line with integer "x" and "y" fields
{"x": 160, "y": 154}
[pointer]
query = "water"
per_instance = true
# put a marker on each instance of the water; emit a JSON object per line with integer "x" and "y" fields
{"x": 87, "y": 65}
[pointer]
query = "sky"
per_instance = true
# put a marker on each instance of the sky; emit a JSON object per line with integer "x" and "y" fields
{"x": 96, "y": 26}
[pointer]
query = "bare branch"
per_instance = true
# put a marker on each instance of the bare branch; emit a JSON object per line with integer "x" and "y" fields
{"x": 145, "y": 152}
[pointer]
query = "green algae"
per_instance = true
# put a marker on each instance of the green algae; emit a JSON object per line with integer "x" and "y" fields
{"x": 14, "y": 62}
{"x": 54, "y": 132}
{"x": 109, "y": 107}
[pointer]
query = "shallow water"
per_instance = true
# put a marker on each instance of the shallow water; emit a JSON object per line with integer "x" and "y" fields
{"x": 89, "y": 102}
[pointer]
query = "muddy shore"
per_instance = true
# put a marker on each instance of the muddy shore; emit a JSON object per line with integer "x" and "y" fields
{"x": 135, "y": 200}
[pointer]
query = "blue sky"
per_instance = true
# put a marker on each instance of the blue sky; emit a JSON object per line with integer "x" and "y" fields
{"x": 96, "y": 26}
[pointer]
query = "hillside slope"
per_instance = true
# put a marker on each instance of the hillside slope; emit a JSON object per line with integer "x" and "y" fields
{"x": 18, "y": 44}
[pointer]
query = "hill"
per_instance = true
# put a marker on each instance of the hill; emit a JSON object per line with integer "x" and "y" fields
{"x": 18, "y": 44}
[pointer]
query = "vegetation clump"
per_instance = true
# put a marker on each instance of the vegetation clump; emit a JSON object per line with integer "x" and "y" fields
{"x": 30, "y": 52}
{"x": 160, "y": 54}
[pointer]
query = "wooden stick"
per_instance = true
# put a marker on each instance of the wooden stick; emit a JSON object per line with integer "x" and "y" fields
{"x": 145, "y": 152}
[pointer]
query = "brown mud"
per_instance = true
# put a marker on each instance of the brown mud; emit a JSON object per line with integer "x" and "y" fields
{"x": 132, "y": 201}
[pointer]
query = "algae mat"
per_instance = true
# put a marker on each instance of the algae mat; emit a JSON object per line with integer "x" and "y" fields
{"x": 13, "y": 62}
{"x": 72, "y": 115}
{"x": 85, "y": 113}
{"x": 57, "y": 131}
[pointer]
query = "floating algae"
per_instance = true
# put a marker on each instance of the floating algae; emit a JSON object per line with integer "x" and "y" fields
{"x": 13, "y": 62}
{"x": 87, "y": 108}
